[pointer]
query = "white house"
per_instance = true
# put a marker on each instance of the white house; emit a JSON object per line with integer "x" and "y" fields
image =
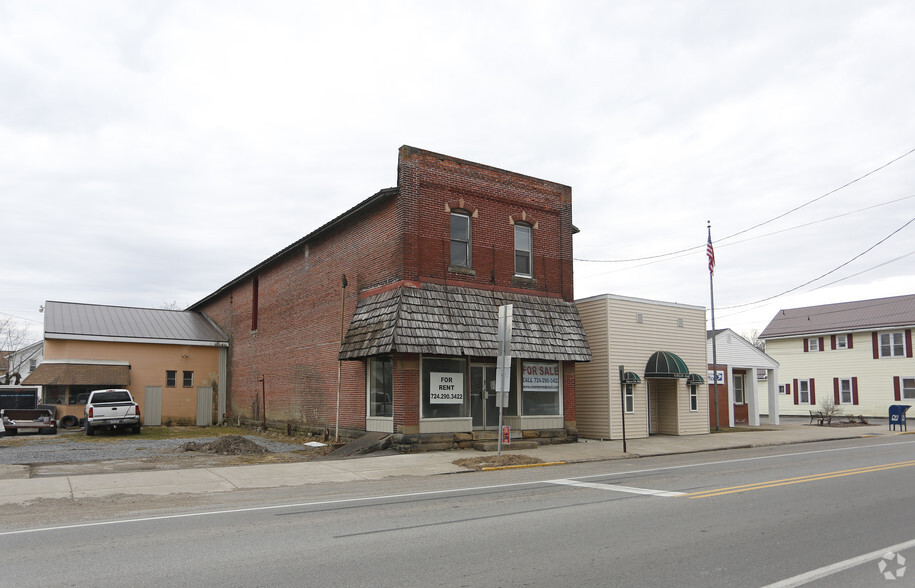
{"x": 742, "y": 367}
{"x": 856, "y": 354}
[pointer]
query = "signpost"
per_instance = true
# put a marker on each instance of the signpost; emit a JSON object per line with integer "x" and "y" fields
{"x": 623, "y": 405}
{"x": 504, "y": 369}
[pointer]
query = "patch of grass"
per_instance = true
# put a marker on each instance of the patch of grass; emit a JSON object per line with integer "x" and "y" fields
{"x": 489, "y": 461}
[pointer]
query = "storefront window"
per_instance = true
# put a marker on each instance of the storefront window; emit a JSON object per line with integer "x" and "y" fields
{"x": 381, "y": 388}
{"x": 540, "y": 388}
{"x": 444, "y": 390}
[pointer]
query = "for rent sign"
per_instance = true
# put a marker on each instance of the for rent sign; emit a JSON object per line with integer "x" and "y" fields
{"x": 446, "y": 388}
{"x": 540, "y": 377}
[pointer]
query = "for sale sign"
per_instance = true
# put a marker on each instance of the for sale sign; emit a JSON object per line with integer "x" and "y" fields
{"x": 446, "y": 388}
{"x": 540, "y": 377}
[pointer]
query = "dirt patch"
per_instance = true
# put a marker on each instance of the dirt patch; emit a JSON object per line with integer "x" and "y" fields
{"x": 495, "y": 461}
{"x": 227, "y": 445}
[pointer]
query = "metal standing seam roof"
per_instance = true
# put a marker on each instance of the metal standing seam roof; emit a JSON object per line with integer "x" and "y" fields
{"x": 450, "y": 320}
{"x": 878, "y": 313}
{"x": 67, "y": 319}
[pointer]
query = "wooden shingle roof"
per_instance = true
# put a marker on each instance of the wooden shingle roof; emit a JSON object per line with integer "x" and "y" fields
{"x": 449, "y": 320}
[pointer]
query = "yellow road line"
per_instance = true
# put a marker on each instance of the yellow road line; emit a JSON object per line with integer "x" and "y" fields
{"x": 800, "y": 480}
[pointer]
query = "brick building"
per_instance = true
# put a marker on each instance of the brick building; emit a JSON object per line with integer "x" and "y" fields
{"x": 410, "y": 281}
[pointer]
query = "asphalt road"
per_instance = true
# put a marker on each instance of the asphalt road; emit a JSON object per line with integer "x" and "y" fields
{"x": 751, "y": 517}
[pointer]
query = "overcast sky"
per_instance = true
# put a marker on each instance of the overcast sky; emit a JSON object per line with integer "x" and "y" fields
{"x": 150, "y": 152}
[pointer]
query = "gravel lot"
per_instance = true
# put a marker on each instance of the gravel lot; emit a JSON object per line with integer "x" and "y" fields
{"x": 72, "y": 447}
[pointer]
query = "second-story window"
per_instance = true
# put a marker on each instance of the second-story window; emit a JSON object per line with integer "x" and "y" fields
{"x": 460, "y": 239}
{"x": 892, "y": 345}
{"x": 523, "y": 250}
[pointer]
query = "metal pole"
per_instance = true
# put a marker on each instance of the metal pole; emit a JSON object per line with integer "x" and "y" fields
{"x": 264, "y": 400}
{"x": 339, "y": 361}
{"x": 623, "y": 406}
{"x": 711, "y": 282}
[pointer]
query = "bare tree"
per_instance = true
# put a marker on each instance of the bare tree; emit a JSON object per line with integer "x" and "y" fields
{"x": 830, "y": 410}
{"x": 753, "y": 337}
{"x": 12, "y": 339}
{"x": 171, "y": 305}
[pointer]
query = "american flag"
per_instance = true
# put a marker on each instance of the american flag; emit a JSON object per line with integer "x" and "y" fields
{"x": 711, "y": 256}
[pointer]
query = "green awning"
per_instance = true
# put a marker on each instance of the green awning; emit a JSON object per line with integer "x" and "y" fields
{"x": 631, "y": 378}
{"x": 695, "y": 379}
{"x": 664, "y": 364}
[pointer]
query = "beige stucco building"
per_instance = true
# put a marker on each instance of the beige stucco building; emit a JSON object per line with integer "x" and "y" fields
{"x": 660, "y": 349}
{"x": 171, "y": 361}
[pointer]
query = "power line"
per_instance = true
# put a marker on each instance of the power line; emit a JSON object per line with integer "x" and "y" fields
{"x": 838, "y": 267}
{"x": 864, "y": 271}
{"x": 831, "y": 192}
{"x": 756, "y": 226}
{"x": 685, "y": 252}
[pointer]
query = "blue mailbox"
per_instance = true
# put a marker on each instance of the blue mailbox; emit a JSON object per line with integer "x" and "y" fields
{"x": 897, "y": 416}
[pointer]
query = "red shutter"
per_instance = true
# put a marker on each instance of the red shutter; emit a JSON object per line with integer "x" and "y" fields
{"x": 832, "y": 341}
{"x": 876, "y": 345}
{"x": 908, "y": 342}
{"x": 854, "y": 390}
{"x": 896, "y": 389}
{"x": 805, "y": 345}
{"x": 835, "y": 391}
{"x": 850, "y": 346}
{"x": 813, "y": 392}
{"x": 795, "y": 391}
{"x": 822, "y": 346}
{"x": 788, "y": 389}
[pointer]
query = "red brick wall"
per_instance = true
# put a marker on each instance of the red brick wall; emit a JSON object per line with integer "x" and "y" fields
{"x": 403, "y": 237}
{"x": 430, "y": 184}
{"x": 299, "y": 310}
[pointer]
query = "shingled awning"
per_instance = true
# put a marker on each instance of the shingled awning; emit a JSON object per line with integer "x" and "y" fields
{"x": 79, "y": 374}
{"x": 449, "y": 320}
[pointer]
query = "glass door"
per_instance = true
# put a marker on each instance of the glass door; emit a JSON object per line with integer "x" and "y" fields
{"x": 483, "y": 407}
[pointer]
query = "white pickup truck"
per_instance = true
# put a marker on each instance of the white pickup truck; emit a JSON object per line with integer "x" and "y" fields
{"x": 111, "y": 409}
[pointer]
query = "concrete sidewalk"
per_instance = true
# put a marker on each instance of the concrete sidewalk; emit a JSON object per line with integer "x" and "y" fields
{"x": 227, "y": 479}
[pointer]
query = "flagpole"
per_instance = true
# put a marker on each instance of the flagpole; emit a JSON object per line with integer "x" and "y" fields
{"x": 711, "y": 282}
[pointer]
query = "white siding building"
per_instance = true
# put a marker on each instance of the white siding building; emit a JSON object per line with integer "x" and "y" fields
{"x": 855, "y": 354}
{"x": 661, "y": 348}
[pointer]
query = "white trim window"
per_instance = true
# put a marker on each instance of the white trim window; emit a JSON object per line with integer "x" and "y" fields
{"x": 846, "y": 395}
{"x": 892, "y": 344}
{"x": 813, "y": 344}
{"x": 523, "y": 250}
{"x": 803, "y": 391}
{"x": 380, "y": 384}
{"x": 460, "y": 240}
{"x": 740, "y": 395}
{"x": 693, "y": 398}
{"x": 541, "y": 388}
{"x": 908, "y": 388}
{"x": 630, "y": 399}
{"x": 841, "y": 341}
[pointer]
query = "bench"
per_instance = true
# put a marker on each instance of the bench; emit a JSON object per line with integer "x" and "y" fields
{"x": 820, "y": 418}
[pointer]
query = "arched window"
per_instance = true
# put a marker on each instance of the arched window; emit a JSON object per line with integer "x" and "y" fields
{"x": 460, "y": 239}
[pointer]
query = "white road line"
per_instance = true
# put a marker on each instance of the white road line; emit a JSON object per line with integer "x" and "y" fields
{"x": 839, "y": 566}
{"x": 429, "y": 492}
{"x": 617, "y": 488}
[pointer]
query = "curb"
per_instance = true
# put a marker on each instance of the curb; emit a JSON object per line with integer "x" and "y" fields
{"x": 523, "y": 465}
